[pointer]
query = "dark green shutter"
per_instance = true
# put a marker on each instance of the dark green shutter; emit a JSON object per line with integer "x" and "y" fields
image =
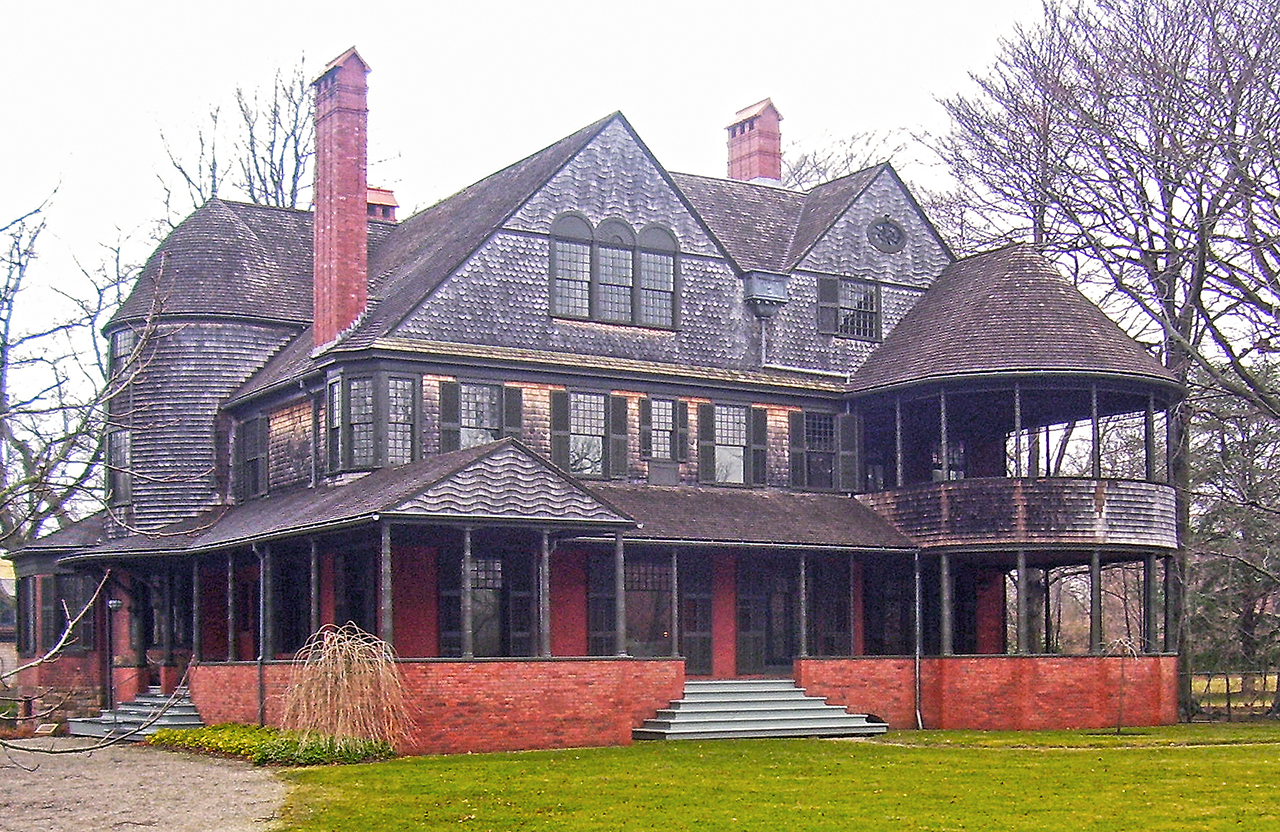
{"x": 616, "y": 458}
{"x": 758, "y": 473}
{"x": 828, "y": 304}
{"x": 264, "y": 454}
{"x": 706, "y": 443}
{"x": 450, "y": 417}
{"x": 680, "y": 438}
{"x": 795, "y": 442}
{"x": 849, "y": 436}
{"x": 560, "y": 428}
{"x": 512, "y": 411}
{"x": 646, "y": 428}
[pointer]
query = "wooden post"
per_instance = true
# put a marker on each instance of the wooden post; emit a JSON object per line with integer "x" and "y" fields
{"x": 1045, "y": 578}
{"x": 267, "y": 603}
{"x": 620, "y": 596}
{"x": 1097, "y": 431}
{"x": 944, "y": 577}
{"x": 1149, "y": 436}
{"x": 942, "y": 435}
{"x": 1023, "y": 609}
{"x": 197, "y": 646}
{"x": 897, "y": 441}
{"x": 1017, "y": 429}
{"x": 1149, "y": 603}
{"x": 1095, "y": 601}
{"x": 166, "y": 605}
{"x": 544, "y": 594}
{"x": 804, "y": 605}
{"x": 675, "y": 602}
{"x": 1170, "y": 634}
{"x": 315, "y": 585}
{"x": 386, "y": 606}
{"x": 468, "y": 643}
{"x": 231, "y": 606}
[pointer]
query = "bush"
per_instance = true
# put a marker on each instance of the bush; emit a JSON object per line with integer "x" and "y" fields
{"x": 271, "y": 746}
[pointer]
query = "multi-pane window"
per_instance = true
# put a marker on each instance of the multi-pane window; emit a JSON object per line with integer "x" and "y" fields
{"x": 119, "y": 476}
{"x": 820, "y": 450}
{"x": 730, "y": 443}
{"x": 333, "y": 418}
{"x": 662, "y": 424}
{"x": 608, "y": 274}
{"x": 481, "y": 414}
{"x": 849, "y": 307}
{"x": 251, "y": 458}
{"x": 123, "y": 343}
{"x": 360, "y": 423}
{"x": 587, "y": 433}
{"x": 401, "y": 419}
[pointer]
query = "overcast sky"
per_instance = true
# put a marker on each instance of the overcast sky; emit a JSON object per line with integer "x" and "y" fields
{"x": 457, "y": 90}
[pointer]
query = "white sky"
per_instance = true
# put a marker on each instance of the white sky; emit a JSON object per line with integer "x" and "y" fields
{"x": 458, "y": 90}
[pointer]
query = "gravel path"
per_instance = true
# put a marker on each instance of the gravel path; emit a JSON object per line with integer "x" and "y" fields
{"x": 133, "y": 787}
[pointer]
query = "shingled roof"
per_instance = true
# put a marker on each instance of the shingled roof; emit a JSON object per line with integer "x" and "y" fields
{"x": 754, "y": 223}
{"x": 1007, "y": 311}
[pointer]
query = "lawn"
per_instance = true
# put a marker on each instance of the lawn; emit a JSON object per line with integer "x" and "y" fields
{"x": 1175, "y": 778}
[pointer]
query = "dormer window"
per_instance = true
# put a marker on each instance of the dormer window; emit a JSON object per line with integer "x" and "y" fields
{"x": 611, "y": 274}
{"x": 849, "y": 307}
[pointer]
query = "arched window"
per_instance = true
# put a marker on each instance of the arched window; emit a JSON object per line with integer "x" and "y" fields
{"x": 612, "y": 275}
{"x": 571, "y": 267}
{"x": 615, "y": 259}
{"x": 656, "y": 295}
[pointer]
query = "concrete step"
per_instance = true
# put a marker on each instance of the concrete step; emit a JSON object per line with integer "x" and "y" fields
{"x": 128, "y": 718}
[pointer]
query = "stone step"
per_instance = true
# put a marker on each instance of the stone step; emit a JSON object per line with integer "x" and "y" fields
{"x": 128, "y": 718}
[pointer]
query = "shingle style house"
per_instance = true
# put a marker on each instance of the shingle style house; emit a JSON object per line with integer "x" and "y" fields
{"x": 588, "y": 429}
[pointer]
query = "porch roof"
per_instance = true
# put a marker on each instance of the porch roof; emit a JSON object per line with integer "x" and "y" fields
{"x": 501, "y": 483}
{"x": 718, "y": 515}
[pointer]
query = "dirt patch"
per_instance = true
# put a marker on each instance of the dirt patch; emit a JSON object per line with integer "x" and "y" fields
{"x": 133, "y": 787}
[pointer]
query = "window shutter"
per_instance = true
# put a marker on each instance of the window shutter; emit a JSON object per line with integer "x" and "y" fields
{"x": 450, "y": 417}
{"x": 646, "y": 429}
{"x": 616, "y": 459}
{"x": 680, "y": 453}
{"x": 828, "y": 304}
{"x": 560, "y": 428}
{"x": 706, "y": 443}
{"x": 512, "y": 411}
{"x": 849, "y": 436}
{"x": 795, "y": 428}
{"x": 759, "y": 436}
{"x": 239, "y": 486}
{"x": 263, "y": 426}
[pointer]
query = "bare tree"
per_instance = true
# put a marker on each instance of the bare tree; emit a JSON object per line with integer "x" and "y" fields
{"x": 830, "y": 159}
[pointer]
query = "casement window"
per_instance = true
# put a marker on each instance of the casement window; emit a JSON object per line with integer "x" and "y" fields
{"x": 360, "y": 425}
{"x": 589, "y": 433}
{"x": 849, "y": 308}
{"x": 732, "y": 444}
{"x": 333, "y": 432}
{"x": 664, "y": 429}
{"x": 824, "y": 451}
{"x": 123, "y": 343}
{"x": 119, "y": 475}
{"x": 474, "y": 414}
{"x": 402, "y": 419}
{"x": 372, "y": 421}
{"x": 62, "y": 597}
{"x": 251, "y": 458}
{"x": 612, "y": 275}
{"x": 647, "y": 583}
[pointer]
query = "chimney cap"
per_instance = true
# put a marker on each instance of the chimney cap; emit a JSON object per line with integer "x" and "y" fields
{"x": 341, "y": 60}
{"x": 759, "y": 108}
{"x": 382, "y": 196}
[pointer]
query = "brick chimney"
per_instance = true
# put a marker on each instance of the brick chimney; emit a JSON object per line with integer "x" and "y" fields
{"x": 340, "y": 279}
{"x": 755, "y": 144}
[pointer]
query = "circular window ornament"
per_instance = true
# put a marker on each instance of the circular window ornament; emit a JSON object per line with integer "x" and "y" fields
{"x": 887, "y": 235}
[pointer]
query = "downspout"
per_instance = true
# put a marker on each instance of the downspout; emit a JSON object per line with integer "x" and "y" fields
{"x": 919, "y": 604}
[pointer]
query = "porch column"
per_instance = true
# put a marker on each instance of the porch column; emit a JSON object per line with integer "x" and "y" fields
{"x": 1095, "y": 601}
{"x": 1149, "y": 604}
{"x": 166, "y": 624}
{"x": 675, "y": 602}
{"x": 942, "y": 435}
{"x": 231, "y": 606}
{"x": 619, "y": 596}
{"x": 267, "y": 603}
{"x": 1017, "y": 429}
{"x": 468, "y": 646}
{"x": 899, "y": 476}
{"x": 544, "y": 594}
{"x": 386, "y": 609}
{"x": 1149, "y": 436}
{"x": 197, "y": 646}
{"x": 944, "y": 577}
{"x": 1023, "y": 608}
{"x": 804, "y": 604}
{"x": 1046, "y": 578}
{"x": 1170, "y": 634}
{"x": 1097, "y": 431}
{"x": 315, "y": 585}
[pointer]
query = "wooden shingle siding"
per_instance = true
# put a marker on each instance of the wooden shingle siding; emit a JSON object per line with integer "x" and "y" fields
{"x": 1011, "y": 512}
{"x": 289, "y": 447}
{"x": 191, "y": 368}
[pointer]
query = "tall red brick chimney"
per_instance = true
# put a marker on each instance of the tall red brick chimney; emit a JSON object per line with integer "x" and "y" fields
{"x": 755, "y": 144}
{"x": 341, "y": 268}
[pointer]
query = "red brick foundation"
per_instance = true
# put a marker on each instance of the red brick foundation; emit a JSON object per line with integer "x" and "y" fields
{"x": 1002, "y": 692}
{"x": 500, "y": 705}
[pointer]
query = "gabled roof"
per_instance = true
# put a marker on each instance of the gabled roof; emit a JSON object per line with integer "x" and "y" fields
{"x": 753, "y": 223}
{"x": 502, "y": 482}
{"x": 719, "y": 515}
{"x": 1007, "y": 311}
{"x": 824, "y": 205}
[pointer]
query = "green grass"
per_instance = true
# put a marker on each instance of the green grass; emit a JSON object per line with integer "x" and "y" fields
{"x": 1176, "y": 778}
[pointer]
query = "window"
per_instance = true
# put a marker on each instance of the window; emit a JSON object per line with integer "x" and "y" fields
{"x": 849, "y": 307}
{"x": 664, "y": 429}
{"x": 123, "y": 343}
{"x": 402, "y": 416}
{"x": 251, "y": 458}
{"x": 119, "y": 476}
{"x": 474, "y": 414}
{"x": 606, "y": 274}
{"x": 824, "y": 450}
{"x": 360, "y": 424}
{"x": 503, "y": 604}
{"x": 732, "y": 442}
{"x": 62, "y": 597}
{"x": 333, "y": 418}
{"x": 647, "y": 584}
{"x": 589, "y": 433}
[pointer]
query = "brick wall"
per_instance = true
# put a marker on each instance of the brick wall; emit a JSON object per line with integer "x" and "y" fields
{"x": 994, "y": 693}
{"x": 500, "y": 705}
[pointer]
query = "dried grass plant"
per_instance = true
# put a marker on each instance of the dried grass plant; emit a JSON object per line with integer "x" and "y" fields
{"x": 345, "y": 684}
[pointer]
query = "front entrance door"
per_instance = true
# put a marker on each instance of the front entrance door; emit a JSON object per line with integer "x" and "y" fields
{"x": 767, "y": 616}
